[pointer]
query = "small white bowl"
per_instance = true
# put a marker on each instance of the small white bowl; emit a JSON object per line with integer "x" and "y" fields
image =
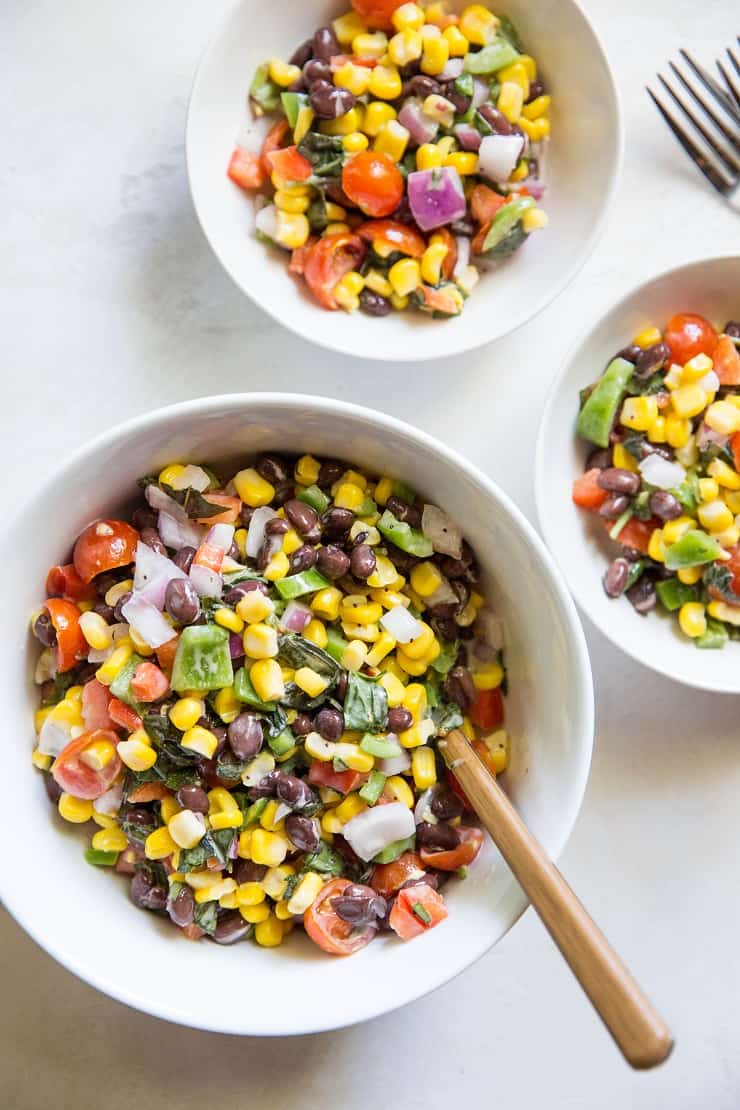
{"x": 84, "y": 917}
{"x": 581, "y": 547}
{"x": 581, "y": 174}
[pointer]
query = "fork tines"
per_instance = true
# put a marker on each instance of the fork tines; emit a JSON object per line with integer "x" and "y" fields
{"x": 711, "y": 135}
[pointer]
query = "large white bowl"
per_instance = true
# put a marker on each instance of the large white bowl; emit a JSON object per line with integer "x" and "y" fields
{"x": 709, "y": 287}
{"x": 83, "y": 917}
{"x": 582, "y": 169}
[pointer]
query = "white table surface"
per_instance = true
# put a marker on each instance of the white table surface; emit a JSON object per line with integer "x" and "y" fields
{"x": 112, "y": 304}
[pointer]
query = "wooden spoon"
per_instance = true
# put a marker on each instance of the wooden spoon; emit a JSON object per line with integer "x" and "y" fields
{"x": 642, "y": 1036}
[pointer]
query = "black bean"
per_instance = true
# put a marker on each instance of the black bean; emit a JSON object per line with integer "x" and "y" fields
{"x": 103, "y": 610}
{"x": 428, "y": 878}
{"x": 496, "y": 120}
{"x": 184, "y": 559}
{"x": 463, "y": 227}
{"x": 302, "y": 725}
{"x": 652, "y": 359}
{"x": 303, "y": 518}
{"x": 299, "y": 57}
{"x": 336, "y": 523}
{"x": 401, "y": 510}
{"x": 236, "y": 593}
{"x": 302, "y": 559}
{"x": 344, "y": 848}
{"x": 325, "y": 44}
{"x": 245, "y": 735}
{"x": 446, "y": 628}
{"x": 283, "y": 493}
{"x": 664, "y": 505}
{"x": 151, "y": 537}
{"x": 616, "y": 480}
{"x": 614, "y": 506}
{"x": 642, "y": 595}
{"x": 266, "y": 787}
{"x": 630, "y": 353}
{"x": 119, "y": 606}
{"x": 139, "y": 816}
{"x": 146, "y": 894}
{"x": 459, "y": 687}
{"x": 294, "y": 792}
{"x": 399, "y": 719}
{"x": 316, "y": 70}
{"x": 245, "y": 871}
{"x": 362, "y": 561}
{"x": 330, "y": 471}
{"x": 193, "y": 797}
{"x": 277, "y": 527}
{"x": 662, "y": 449}
{"x": 437, "y": 838}
{"x": 181, "y": 908}
{"x": 461, "y": 101}
{"x": 53, "y": 789}
{"x": 340, "y": 690}
{"x": 732, "y": 328}
{"x": 422, "y": 86}
{"x": 616, "y": 576}
{"x": 446, "y": 806}
{"x": 359, "y": 909}
{"x": 600, "y": 459}
{"x": 230, "y": 927}
{"x": 181, "y": 601}
{"x": 44, "y": 630}
{"x": 142, "y": 518}
{"x": 374, "y": 304}
{"x": 332, "y": 562}
{"x": 245, "y": 515}
{"x": 536, "y": 88}
{"x": 330, "y": 102}
{"x": 329, "y": 723}
{"x": 303, "y": 832}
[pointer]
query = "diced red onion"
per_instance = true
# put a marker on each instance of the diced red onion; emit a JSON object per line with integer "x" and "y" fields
{"x": 452, "y": 70}
{"x": 147, "y": 621}
{"x": 498, "y": 155}
{"x": 534, "y": 187}
{"x": 153, "y": 574}
{"x": 206, "y": 582}
{"x": 445, "y": 535}
{"x": 162, "y": 501}
{"x": 463, "y": 255}
{"x": 661, "y": 473}
{"x": 295, "y": 617}
{"x": 436, "y": 197}
{"x": 481, "y": 91}
{"x": 54, "y": 736}
{"x": 221, "y": 535}
{"x": 423, "y": 808}
{"x": 399, "y": 623}
{"x": 420, "y": 126}
{"x": 234, "y": 848}
{"x": 490, "y": 627}
{"x": 236, "y": 646}
{"x": 467, "y": 136}
{"x": 177, "y": 533}
{"x": 370, "y": 832}
{"x": 394, "y": 764}
{"x": 707, "y": 435}
{"x": 256, "y": 532}
{"x": 109, "y": 803}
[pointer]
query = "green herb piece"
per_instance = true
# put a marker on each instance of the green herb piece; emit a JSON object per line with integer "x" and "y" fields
{"x": 672, "y": 594}
{"x": 445, "y": 661}
{"x": 264, "y": 94}
{"x": 646, "y": 387}
{"x": 245, "y": 691}
{"x": 494, "y": 56}
{"x": 721, "y": 579}
{"x": 504, "y": 223}
{"x": 202, "y": 659}
{"x": 641, "y": 505}
{"x": 373, "y": 788}
{"x": 634, "y": 573}
{"x": 296, "y": 585}
{"x": 394, "y": 850}
{"x": 195, "y": 504}
{"x": 693, "y": 549}
{"x": 280, "y": 745}
{"x": 335, "y": 643}
{"x": 598, "y": 413}
{"x": 314, "y": 497}
{"x": 411, "y": 540}
{"x": 462, "y": 872}
{"x": 318, "y": 220}
{"x": 421, "y": 912}
{"x": 365, "y": 704}
{"x": 101, "y": 859}
{"x": 167, "y": 740}
{"x": 325, "y": 153}
{"x": 380, "y": 746}
{"x": 464, "y": 86}
{"x": 715, "y": 637}
{"x": 120, "y": 687}
{"x": 507, "y": 29}
{"x": 133, "y": 831}
{"x": 60, "y": 685}
{"x": 206, "y": 916}
{"x": 687, "y": 494}
{"x": 253, "y": 813}
{"x": 326, "y": 861}
{"x": 234, "y": 577}
{"x": 446, "y": 716}
{"x": 297, "y": 652}
{"x": 216, "y": 842}
{"x": 292, "y": 103}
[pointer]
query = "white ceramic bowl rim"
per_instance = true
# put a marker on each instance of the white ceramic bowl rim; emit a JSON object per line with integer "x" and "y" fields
{"x": 460, "y": 959}
{"x": 467, "y": 340}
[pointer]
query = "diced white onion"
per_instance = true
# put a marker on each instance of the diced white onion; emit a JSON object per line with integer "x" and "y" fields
{"x": 401, "y": 625}
{"x": 260, "y": 766}
{"x": 162, "y": 502}
{"x": 206, "y": 582}
{"x": 109, "y": 803}
{"x": 54, "y": 736}
{"x": 266, "y": 221}
{"x": 709, "y": 383}
{"x": 153, "y": 574}
{"x": 445, "y": 535}
{"x": 192, "y": 477}
{"x": 221, "y": 535}
{"x": 256, "y": 532}
{"x": 490, "y": 627}
{"x": 463, "y": 255}
{"x": 178, "y": 533}
{"x": 423, "y": 808}
{"x": 370, "y": 832}
{"x": 498, "y": 155}
{"x": 661, "y": 473}
{"x": 281, "y": 811}
{"x": 147, "y": 621}
{"x": 394, "y": 764}
{"x": 46, "y": 666}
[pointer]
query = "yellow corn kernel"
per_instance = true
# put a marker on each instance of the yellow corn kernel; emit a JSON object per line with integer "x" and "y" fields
{"x": 275, "y": 879}
{"x": 292, "y": 231}
{"x": 255, "y": 915}
{"x": 288, "y": 202}
{"x": 415, "y": 667}
{"x": 399, "y": 302}
{"x": 696, "y": 368}
{"x": 96, "y": 631}
{"x": 240, "y": 539}
{"x": 400, "y": 791}
{"x": 656, "y": 546}
{"x": 639, "y": 412}
{"x": 227, "y": 618}
{"x": 268, "y": 848}
{"x": 110, "y": 840}
{"x": 310, "y": 681}
{"x": 721, "y": 611}
{"x": 186, "y": 828}
{"x": 521, "y": 171}
{"x": 657, "y": 431}
{"x": 456, "y": 41}
{"x": 159, "y": 844}
{"x": 405, "y": 47}
{"x": 721, "y": 416}
{"x": 677, "y": 430}
{"x": 170, "y": 476}
{"x": 269, "y": 932}
{"x": 355, "y": 142}
{"x": 315, "y": 631}
{"x": 305, "y": 893}
{"x": 729, "y": 537}
{"x": 377, "y": 115}
{"x": 350, "y": 807}
{"x": 381, "y": 647}
{"x": 708, "y": 489}
{"x": 168, "y": 807}
{"x": 622, "y": 458}
{"x": 307, "y": 470}
{"x": 423, "y": 768}
{"x": 115, "y": 661}
{"x": 267, "y": 679}
{"x": 224, "y": 813}
{"x": 260, "y": 641}
{"x": 715, "y": 516}
{"x": 692, "y": 619}
{"x": 464, "y": 161}
{"x": 732, "y": 500}
{"x": 409, "y": 17}
{"x": 392, "y": 140}
{"x": 405, "y": 276}
{"x": 534, "y": 219}
{"x": 227, "y": 705}
{"x": 283, "y": 74}
{"x": 385, "y": 83}
{"x": 137, "y": 755}
{"x": 330, "y": 823}
{"x": 254, "y": 607}
{"x": 417, "y": 734}
{"x": 384, "y": 486}
{"x": 689, "y": 575}
{"x": 252, "y": 488}
{"x": 647, "y": 337}
{"x": 355, "y": 608}
{"x": 355, "y": 477}
{"x": 674, "y": 529}
{"x": 425, "y": 579}
{"x": 429, "y": 157}
{"x": 76, "y": 810}
{"x": 139, "y": 643}
{"x": 379, "y": 284}
{"x": 498, "y": 751}
{"x": 302, "y": 125}
{"x": 249, "y": 894}
{"x": 353, "y": 77}
{"x": 540, "y": 106}
{"x": 518, "y": 74}
{"x": 349, "y": 496}
{"x": 98, "y": 754}
{"x": 200, "y": 740}
{"x": 353, "y": 756}
{"x": 347, "y": 28}
{"x": 510, "y": 101}
{"x": 368, "y": 633}
{"x": 435, "y": 55}
{"x": 489, "y": 678}
{"x": 370, "y": 45}
{"x": 218, "y": 889}
{"x": 291, "y": 542}
{"x": 40, "y": 760}
{"x": 688, "y": 401}
{"x": 326, "y": 603}
{"x": 415, "y": 700}
{"x": 421, "y": 645}
{"x": 478, "y": 24}
{"x": 186, "y": 712}
{"x": 393, "y": 687}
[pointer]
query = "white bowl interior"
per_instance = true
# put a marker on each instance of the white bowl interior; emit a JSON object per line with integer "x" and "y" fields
{"x": 581, "y": 172}
{"x": 580, "y": 546}
{"x": 85, "y": 918}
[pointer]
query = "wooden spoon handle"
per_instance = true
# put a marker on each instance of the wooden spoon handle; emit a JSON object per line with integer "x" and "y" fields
{"x": 637, "y": 1028}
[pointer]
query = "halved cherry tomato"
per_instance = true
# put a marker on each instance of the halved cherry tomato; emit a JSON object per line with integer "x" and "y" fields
{"x": 441, "y": 300}
{"x": 373, "y": 182}
{"x": 733, "y": 565}
{"x": 149, "y": 792}
{"x": 149, "y": 683}
{"x": 332, "y": 258}
{"x": 450, "y": 259}
{"x": 231, "y": 507}
{"x": 71, "y": 644}
{"x": 386, "y": 878}
{"x": 298, "y": 257}
{"x": 487, "y": 710}
{"x": 95, "y": 702}
{"x": 76, "y": 777}
{"x": 485, "y": 203}
{"x": 166, "y": 654}
{"x": 123, "y": 715}
{"x": 726, "y": 359}
{"x": 273, "y": 140}
{"x": 587, "y": 494}
{"x": 689, "y": 335}
{"x": 323, "y": 774}
{"x": 417, "y": 909}
{"x": 456, "y": 789}
{"x": 470, "y": 844}
{"x": 377, "y": 13}
{"x": 326, "y": 928}
{"x": 289, "y": 164}
{"x": 338, "y": 60}
{"x": 66, "y": 582}
{"x": 478, "y": 240}
{"x": 635, "y": 534}
{"x": 393, "y": 236}
{"x": 104, "y": 545}
{"x": 245, "y": 169}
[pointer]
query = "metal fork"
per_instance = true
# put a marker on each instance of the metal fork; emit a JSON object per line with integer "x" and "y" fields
{"x": 713, "y": 139}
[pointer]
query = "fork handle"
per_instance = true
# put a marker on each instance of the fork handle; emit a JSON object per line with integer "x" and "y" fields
{"x": 640, "y": 1033}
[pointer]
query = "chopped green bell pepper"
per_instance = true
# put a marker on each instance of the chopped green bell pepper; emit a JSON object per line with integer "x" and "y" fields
{"x": 335, "y": 643}
{"x": 264, "y": 94}
{"x": 491, "y": 58}
{"x": 394, "y": 850}
{"x": 373, "y": 788}
{"x": 245, "y": 691}
{"x": 120, "y": 687}
{"x": 307, "y": 582}
{"x": 281, "y": 744}
{"x": 600, "y": 408}
{"x": 101, "y": 859}
{"x": 292, "y": 104}
{"x": 694, "y": 549}
{"x": 380, "y": 746}
{"x": 672, "y": 594}
{"x": 314, "y": 497}
{"x": 202, "y": 659}
{"x": 715, "y": 637}
{"x": 505, "y": 221}
{"x": 411, "y": 540}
